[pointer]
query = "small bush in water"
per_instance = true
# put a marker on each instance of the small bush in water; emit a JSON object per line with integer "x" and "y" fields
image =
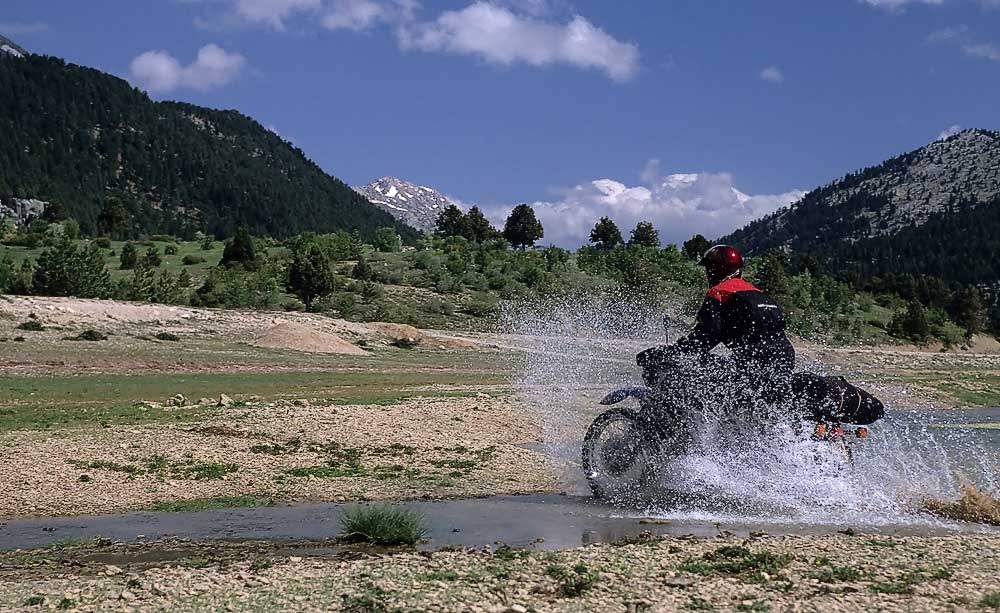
{"x": 382, "y": 525}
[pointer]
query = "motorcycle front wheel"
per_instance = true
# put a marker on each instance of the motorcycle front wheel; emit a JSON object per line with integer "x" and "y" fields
{"x": 618, "y": 454}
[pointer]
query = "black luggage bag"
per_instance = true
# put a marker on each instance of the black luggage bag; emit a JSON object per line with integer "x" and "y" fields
{"x": 833, "y": 399}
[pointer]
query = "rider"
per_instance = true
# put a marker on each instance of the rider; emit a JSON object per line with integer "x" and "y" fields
{"x": 741, "y": 317}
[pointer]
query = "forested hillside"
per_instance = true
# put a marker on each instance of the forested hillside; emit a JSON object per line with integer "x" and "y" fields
{"x": 90, "y": 142}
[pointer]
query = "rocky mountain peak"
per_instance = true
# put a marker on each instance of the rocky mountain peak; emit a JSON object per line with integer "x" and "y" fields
{"x": 10, "y": 47}
{"x": 415, "y": 205}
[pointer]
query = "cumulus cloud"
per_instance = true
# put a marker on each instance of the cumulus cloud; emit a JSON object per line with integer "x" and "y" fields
{"x": 949, "y": 131}
{"x": 272, "y": 12}
{"x": 501, "y": 36}
{"x": 679, "y": 205}
{"x": 986, "y": 51}
{"x": 772, "y": 74}
{"x": 12, "y": 28}
{"x": 158, "y": 71}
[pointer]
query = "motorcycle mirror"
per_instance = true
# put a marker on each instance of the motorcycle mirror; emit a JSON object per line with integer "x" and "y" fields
{"x": 666, "y": 328}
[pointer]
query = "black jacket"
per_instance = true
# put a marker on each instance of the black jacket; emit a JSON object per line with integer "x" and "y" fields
{"x": 743, "y": 318}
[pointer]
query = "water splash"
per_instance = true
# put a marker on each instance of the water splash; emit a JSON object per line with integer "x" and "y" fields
{"x": 576, "y": 349}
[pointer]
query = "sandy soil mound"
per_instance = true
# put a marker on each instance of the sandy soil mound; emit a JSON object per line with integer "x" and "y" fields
{"x": 303, "y": 338}
{"x": 396, "y": 333}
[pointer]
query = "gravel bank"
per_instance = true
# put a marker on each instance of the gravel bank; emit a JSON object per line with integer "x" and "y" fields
{"x": 290, "y": 450}
{"x": 842, "y": 573}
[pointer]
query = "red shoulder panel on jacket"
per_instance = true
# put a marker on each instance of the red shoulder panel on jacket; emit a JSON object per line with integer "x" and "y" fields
{"x": 724, "y": 291}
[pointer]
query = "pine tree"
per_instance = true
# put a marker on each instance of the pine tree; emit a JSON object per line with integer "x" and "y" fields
{"x": 606, "y": 234}
{"x": 645, "y": 235}
{"x": 476, "y": 228}
{"x": 129, "y": 257}
{"x": 522, "y": 227}
{"x": 240, "y": 251}
{"x": 67, "y": 270}
{"x": 695, "y": 247}
{"x": 450, "y": 221}
{"x": 113, "y": 218}
{"x": 310, "y": 275}
{"x": 152, "y": 257}
{"x": 968, "y": 310}
{"x": 772, "y": 277}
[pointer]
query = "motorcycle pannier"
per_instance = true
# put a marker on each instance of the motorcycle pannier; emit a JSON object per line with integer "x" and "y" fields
{"x": 834, "y": 399}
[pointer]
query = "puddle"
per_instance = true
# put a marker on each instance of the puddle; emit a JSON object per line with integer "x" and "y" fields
{"x": 542, "y": 522}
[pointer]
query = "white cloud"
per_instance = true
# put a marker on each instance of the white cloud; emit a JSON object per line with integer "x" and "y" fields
{"x": 158, "y": 71}
{"x": 772, "y": 74}
{"x": 354, "y": 15}
{"x": 679, "y": 205}
{"x": 895, "y": 5}
{"x": 963, "y": 38}
{"x": 986, "y": 51}
{"x": 503, "y": 37}
{"x": 949, "y": 131}
{"x": 272, "y": 12}
{"x": 12, "y": 28}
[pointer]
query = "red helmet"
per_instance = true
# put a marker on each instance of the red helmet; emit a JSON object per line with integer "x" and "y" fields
{"x": 722, "y": 262}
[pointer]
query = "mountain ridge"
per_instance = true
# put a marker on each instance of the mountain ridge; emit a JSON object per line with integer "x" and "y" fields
{"x": 81, "y": 137}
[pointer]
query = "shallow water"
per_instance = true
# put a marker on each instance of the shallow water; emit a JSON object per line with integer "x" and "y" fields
{"x": 542, "y": 522}
{"x": 575, "y": 353}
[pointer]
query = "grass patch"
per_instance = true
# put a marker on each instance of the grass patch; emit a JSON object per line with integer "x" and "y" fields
{"x": 166, "y": 336}
{"x": 324, "y": 472}
{"x": 573, "y": 583}
{"x": 754, "y": 605}
{"x": 508, "y": 554}
{"x": 827, "y": 572}
{"x": 382, "y": 525}
{"x": 441, "y": 575}
{"x": 32, "y": 325}
{"x": 737, "y": 561}
{"x": 991, "y": 601}
{"x": 699, "y": 604}
{"x": 207, "y": 504}
{"x": 34, "y": 601}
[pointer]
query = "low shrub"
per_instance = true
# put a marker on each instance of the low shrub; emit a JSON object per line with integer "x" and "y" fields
{"x": 166, "y": 336}
{"x": 382, "y": 525}
{"x": 191, "y": 260}
{"x": 89, "y": 335}
{"x": 32, "y": 325}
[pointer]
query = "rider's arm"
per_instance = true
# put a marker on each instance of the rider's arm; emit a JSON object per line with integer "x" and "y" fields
{"x": 707, "y": 331}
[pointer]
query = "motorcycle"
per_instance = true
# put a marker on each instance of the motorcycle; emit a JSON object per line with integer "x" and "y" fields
{"x": 626, "y": 446}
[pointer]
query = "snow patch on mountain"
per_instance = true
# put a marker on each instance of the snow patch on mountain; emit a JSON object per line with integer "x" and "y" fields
{"x": 415, "y": 205}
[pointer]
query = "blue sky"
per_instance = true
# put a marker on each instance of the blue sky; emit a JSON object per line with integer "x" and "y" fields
{"x": 504, "y": 101}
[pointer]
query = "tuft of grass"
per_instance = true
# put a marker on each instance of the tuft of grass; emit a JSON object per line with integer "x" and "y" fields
{"x": 699, "y": 604}
{"x": 260, "y": 564}
{"x": 754, "y": 605}
{"x": 508, "y": 554}
{"x": 166, "y": 336}
{"x": 828, "y": 573}
{"x": 32, "y": 325}
{"x": 382, "y": 525}
{"x": 65, "y": 604}
{"x": 576, "y": 582}
{"x": 324, "y": 472}
{"x": 441, "y": 575}
{"x": 990, "y": 601}
{"x": 34, "y": 601}
{"x": 738, "y": 561}
{"x": 207, "y": 471}
{"x": 207, "y": 504}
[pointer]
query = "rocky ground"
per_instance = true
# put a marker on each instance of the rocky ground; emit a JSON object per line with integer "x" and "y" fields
{"x": 287, "y": 450}
{"x": 763, "y": 573}
{"x": 305, "y": 408}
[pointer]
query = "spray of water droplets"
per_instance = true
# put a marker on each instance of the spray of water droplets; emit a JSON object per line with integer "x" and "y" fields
{"x": 575, "y": 350}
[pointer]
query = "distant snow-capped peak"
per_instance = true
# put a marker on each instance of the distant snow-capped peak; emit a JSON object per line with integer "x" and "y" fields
{"x": 416, "y": 205}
